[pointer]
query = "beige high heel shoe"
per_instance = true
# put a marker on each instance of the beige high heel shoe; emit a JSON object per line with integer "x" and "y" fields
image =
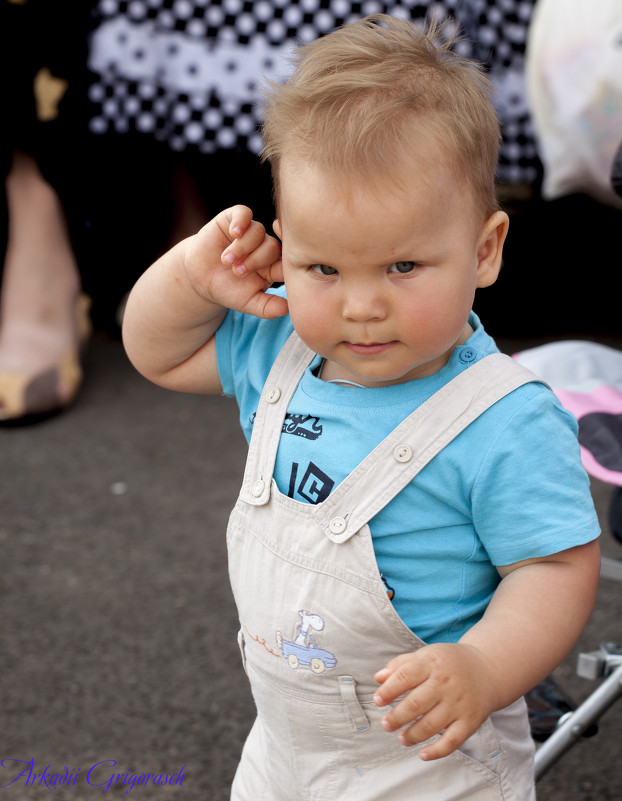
{"x": 22, "y": 396}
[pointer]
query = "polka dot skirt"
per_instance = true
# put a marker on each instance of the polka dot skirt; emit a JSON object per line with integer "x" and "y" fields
{"x": 190, "y": 72}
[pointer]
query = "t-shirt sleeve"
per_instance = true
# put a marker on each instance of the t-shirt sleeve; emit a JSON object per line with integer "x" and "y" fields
{"x": 233, "y": 339}
{"x": 246, "y": 348}
{"x": 532, "y": 496}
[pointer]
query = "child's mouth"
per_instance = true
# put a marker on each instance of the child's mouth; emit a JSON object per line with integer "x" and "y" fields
{"x": 369, "y": 349}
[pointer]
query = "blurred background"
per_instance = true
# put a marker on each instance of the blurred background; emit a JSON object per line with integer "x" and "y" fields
{"x": 128, "y": 124}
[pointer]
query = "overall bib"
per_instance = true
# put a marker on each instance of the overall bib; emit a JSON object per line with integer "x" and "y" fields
{"x": 317, "y": 623}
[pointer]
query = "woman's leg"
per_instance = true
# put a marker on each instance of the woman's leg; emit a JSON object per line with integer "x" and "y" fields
{"x": 39, "y": 299}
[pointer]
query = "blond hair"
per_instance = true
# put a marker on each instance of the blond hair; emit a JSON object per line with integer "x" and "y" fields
{"x": 364, "y": 96}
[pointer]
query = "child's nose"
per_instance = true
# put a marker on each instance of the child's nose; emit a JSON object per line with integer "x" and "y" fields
{"x": 361, "y": 304}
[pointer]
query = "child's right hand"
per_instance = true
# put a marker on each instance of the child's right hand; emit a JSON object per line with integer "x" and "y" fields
{"x": 231, "y": 262}
{"x": 177, "y": 305}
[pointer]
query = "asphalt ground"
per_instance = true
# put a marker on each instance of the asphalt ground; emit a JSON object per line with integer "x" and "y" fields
{"x": 118, "y": 626}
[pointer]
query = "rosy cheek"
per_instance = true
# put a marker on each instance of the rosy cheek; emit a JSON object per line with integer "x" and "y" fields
{"x": 299, "y": 311}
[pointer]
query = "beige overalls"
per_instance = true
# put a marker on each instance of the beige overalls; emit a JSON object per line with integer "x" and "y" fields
{"x": 317, "y": 623}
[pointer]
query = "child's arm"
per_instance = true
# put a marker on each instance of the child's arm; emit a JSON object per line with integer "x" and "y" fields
{"x": 176, "y": 306}
{"x": 534, "y": 619}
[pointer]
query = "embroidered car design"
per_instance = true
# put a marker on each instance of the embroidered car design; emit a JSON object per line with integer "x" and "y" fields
{"x": 308, "y": 656}
{"x": 304, "y": 650}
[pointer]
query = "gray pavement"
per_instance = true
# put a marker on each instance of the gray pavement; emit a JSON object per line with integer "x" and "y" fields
{"x": 118, "y": 628}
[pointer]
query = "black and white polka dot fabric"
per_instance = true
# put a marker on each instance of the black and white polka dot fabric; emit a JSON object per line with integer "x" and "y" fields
{"x": 190, "y": 72}
{"x": 498, "y": 30}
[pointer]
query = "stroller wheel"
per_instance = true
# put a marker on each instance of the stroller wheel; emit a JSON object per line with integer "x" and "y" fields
{"x": 615, "y": 514}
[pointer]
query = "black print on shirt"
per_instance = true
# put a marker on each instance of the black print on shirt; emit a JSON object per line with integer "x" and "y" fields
{"x": 388, "y": 587}
{"x": 300, "y": 425}
{"x": 315, "y": 485}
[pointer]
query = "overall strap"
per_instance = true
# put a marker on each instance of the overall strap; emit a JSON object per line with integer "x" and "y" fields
{"x": 280, "y": 385}
{"x": 397, "y": 459}
{"x": 415, "y": 442}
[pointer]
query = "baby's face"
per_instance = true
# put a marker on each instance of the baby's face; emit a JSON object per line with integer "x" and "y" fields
{"x": 380, "y": 283}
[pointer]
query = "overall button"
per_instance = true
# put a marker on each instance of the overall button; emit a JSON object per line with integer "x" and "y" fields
{"x": 274, "y": 393}
{"x": 403, "y": 453}
{"x": 467, "y": 355}
{"x": 258, "y": 488}
{"x": 337, "y": 525}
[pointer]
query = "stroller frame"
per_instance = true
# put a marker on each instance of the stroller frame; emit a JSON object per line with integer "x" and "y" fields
{"x": 605, "y": 662}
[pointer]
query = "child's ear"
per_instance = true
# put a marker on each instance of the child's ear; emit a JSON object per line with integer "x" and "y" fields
{"x": 490, "y": 248}
{"x": 276, "y": 227}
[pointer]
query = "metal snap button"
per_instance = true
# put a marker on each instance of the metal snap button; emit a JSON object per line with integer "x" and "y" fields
{"x": 403, "y": 453}
{"x": 273, "y": 395}
{"x": 337, "y": 525}
{"x": 258, "y": 488}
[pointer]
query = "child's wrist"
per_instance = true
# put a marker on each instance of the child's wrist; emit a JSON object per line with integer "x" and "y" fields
{"x": 488, "y": 676}
{"x": 193, "y": 274}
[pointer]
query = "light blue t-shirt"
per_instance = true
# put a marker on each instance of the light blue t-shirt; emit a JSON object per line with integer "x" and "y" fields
{"x": 510, "y": 487}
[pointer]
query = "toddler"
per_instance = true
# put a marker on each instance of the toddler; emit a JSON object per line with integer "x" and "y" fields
{"x": 415, "y": 545}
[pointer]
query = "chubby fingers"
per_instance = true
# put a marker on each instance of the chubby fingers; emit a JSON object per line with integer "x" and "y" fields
{"x": 426, "y": 707}
{"x": 251, "y": 249}
{"x": 403, "y": 673}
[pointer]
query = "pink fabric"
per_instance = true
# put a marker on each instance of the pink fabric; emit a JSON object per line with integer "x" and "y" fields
{"x": 587, "y": 379}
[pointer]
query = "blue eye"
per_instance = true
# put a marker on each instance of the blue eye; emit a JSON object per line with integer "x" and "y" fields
{"x": 403, "y": 267}
{"x": 323, "y": 269}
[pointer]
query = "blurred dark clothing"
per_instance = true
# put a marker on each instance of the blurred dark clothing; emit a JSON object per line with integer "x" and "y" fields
{"x": 117, "y": 187}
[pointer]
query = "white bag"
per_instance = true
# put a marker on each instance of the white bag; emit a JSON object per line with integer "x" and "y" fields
{"x": 574, "y": 88}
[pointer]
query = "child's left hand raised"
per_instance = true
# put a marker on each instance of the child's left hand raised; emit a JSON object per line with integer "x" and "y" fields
{"x": 451, "y": 694}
